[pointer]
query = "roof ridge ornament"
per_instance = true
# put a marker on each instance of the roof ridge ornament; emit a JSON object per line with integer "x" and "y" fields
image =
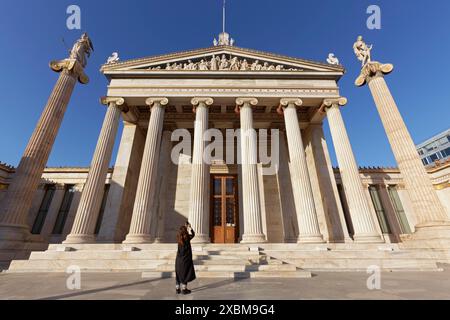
{"x": 224, "y": 37}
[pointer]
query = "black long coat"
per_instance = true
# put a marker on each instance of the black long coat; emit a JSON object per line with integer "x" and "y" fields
{"x": 184, "y": 266}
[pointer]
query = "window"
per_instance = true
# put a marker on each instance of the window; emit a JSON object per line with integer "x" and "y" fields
{"x": 43, "y": 209}
{"x": 379, "y": 209}
{"x": 64, "y": 209}
{"x": 102, "y": 210}
{"x": 348, "y": 219}
{"x": 433, "y": 157}
{"x": 399, "y": 211}
{"x": 446, "y": 152}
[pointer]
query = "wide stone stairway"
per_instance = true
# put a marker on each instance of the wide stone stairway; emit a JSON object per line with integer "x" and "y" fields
{"x": 233, "y": 261}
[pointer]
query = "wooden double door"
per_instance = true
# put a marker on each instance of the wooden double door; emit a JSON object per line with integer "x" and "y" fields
{"x": 224, "y": 209}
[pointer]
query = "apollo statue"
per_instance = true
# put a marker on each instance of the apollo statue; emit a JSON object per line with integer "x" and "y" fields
{"x": 362, "y": 51}
{"x": 82, "y": 50}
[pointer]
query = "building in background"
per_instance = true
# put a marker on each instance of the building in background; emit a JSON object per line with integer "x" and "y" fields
{"x": 435, "y": 149}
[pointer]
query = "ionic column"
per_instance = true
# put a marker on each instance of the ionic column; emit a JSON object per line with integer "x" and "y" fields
{"x": 19, "y": 196}
{"x": 145, "y": 194}
{"x": 308, "y": 224}
{"x": 364, "y": 227}
{"x": 83, "y": 227}
{"x": 253, "y": 231}
{"x": 199, "y": 198}
{"x": 430, "y": 214}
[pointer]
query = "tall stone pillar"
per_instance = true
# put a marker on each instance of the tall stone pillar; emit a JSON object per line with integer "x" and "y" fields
{"x": 19, "y": 197}
{"x": 333, "y": 209}
{"x": 432, "y": 220}
{"x": 253, "y": 230}
{"x": 165, "y": 165}
{"x": 308, "y": 224}
{"x": 142, "y": 212}
{"x": 83, "y": 227}
{"x": 364, "y": 227}
{"x": 199, "y": 203}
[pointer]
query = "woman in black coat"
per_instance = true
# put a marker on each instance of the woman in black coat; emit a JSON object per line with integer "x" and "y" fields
{"x": 184, "y": 266}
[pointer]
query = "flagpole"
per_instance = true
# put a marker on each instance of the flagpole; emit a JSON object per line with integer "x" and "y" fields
{"x": 224, "y": 13}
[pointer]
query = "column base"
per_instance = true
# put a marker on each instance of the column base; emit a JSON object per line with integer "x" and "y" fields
{"x": 14, "y": 232}
{"x": 79, "y": 239}
{"x": 438, "y": 230}
{"x": 368, "y": 238}
{"x": 138, "y": 239}
{"x": 201, "y": 238}
{"x": 430, "y": 235}
{"x": 310, "y": 239}
{"x": 253, "y": 238}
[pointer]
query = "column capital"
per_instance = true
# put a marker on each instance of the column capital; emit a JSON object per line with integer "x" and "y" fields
{"x": 242, "y": 102}
{"x": 328, "y": 103}
{"x": 199, "y": 100}
{"x": 246, "y": 101}
{"x": 372, "y": 70}
{"x": 157, "y": 100}
{"x": 72, "y": 66}
{"x": 287, "y": 102}
{"x": 118, "y": 102}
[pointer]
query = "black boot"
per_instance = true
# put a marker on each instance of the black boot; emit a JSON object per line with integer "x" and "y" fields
{"x": 186, "y": 291}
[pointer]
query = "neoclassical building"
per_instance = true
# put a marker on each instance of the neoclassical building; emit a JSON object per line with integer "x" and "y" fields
{"x": 285, "y": 200}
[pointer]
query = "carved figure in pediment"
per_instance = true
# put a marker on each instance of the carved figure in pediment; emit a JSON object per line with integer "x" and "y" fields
{"x": 203, "y": 65}
{"x": 214, "y": 63}
{"x": 168, "y": 66}
{"x": 255, "y": 65}
{"x": 265, "y": 66}
{"x": 234, "y": 64}
{"x": 223, "y": 63}
{"x": 244, "y": 65}
{"x": 279, "y": 67}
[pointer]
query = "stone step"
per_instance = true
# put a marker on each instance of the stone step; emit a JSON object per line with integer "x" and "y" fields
{"x": 363, "y": 264}
{"x": 358, "y": 255}
{"x": 231, "y": 268}
{"x": 232, "y": 275}
{"x": 62, "y": 265}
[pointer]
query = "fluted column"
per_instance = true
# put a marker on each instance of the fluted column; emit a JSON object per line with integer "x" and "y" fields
{"x": 363, "y": 224}
{"x": 199, "y": 197}
{"x": 19, "y": 196}
{"x": 83, "y": 227}
{"x": 308, "y": 224}
{"x": 429, "y": 212}
{"x": 142, "y": 213}
{"x": 253, "y": 231}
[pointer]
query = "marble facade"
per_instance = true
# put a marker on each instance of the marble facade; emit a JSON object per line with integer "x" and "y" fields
{"x": 145, "y": 197}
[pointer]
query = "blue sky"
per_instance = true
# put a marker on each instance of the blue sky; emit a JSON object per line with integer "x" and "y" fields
{"x": 414, "y": 37}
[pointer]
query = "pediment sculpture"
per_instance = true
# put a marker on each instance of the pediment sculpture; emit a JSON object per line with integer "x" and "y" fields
{"x": 222, "y": 63}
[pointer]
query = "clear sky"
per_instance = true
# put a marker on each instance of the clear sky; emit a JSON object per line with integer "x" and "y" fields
{"x": 415, "y": 37}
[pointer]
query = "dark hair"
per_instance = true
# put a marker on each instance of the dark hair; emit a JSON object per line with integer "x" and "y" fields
{"x": 182, "y": 235}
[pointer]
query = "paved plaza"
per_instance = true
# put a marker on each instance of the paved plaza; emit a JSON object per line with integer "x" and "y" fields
{"x": 131, "y": 286}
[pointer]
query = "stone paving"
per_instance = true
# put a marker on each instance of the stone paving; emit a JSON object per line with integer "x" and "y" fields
{"x": 131, "y": 286}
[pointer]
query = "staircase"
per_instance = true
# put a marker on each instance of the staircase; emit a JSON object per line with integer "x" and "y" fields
{"x": 233, "y": 261}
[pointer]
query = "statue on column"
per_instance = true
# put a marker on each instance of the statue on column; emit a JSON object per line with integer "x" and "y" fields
{"x": 362, "y": 51}
{"x": 82, "y": 50}
{"x": 370, "y": 69}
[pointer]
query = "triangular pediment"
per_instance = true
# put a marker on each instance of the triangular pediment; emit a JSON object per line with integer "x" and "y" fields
{"x": 220, "y": 59}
